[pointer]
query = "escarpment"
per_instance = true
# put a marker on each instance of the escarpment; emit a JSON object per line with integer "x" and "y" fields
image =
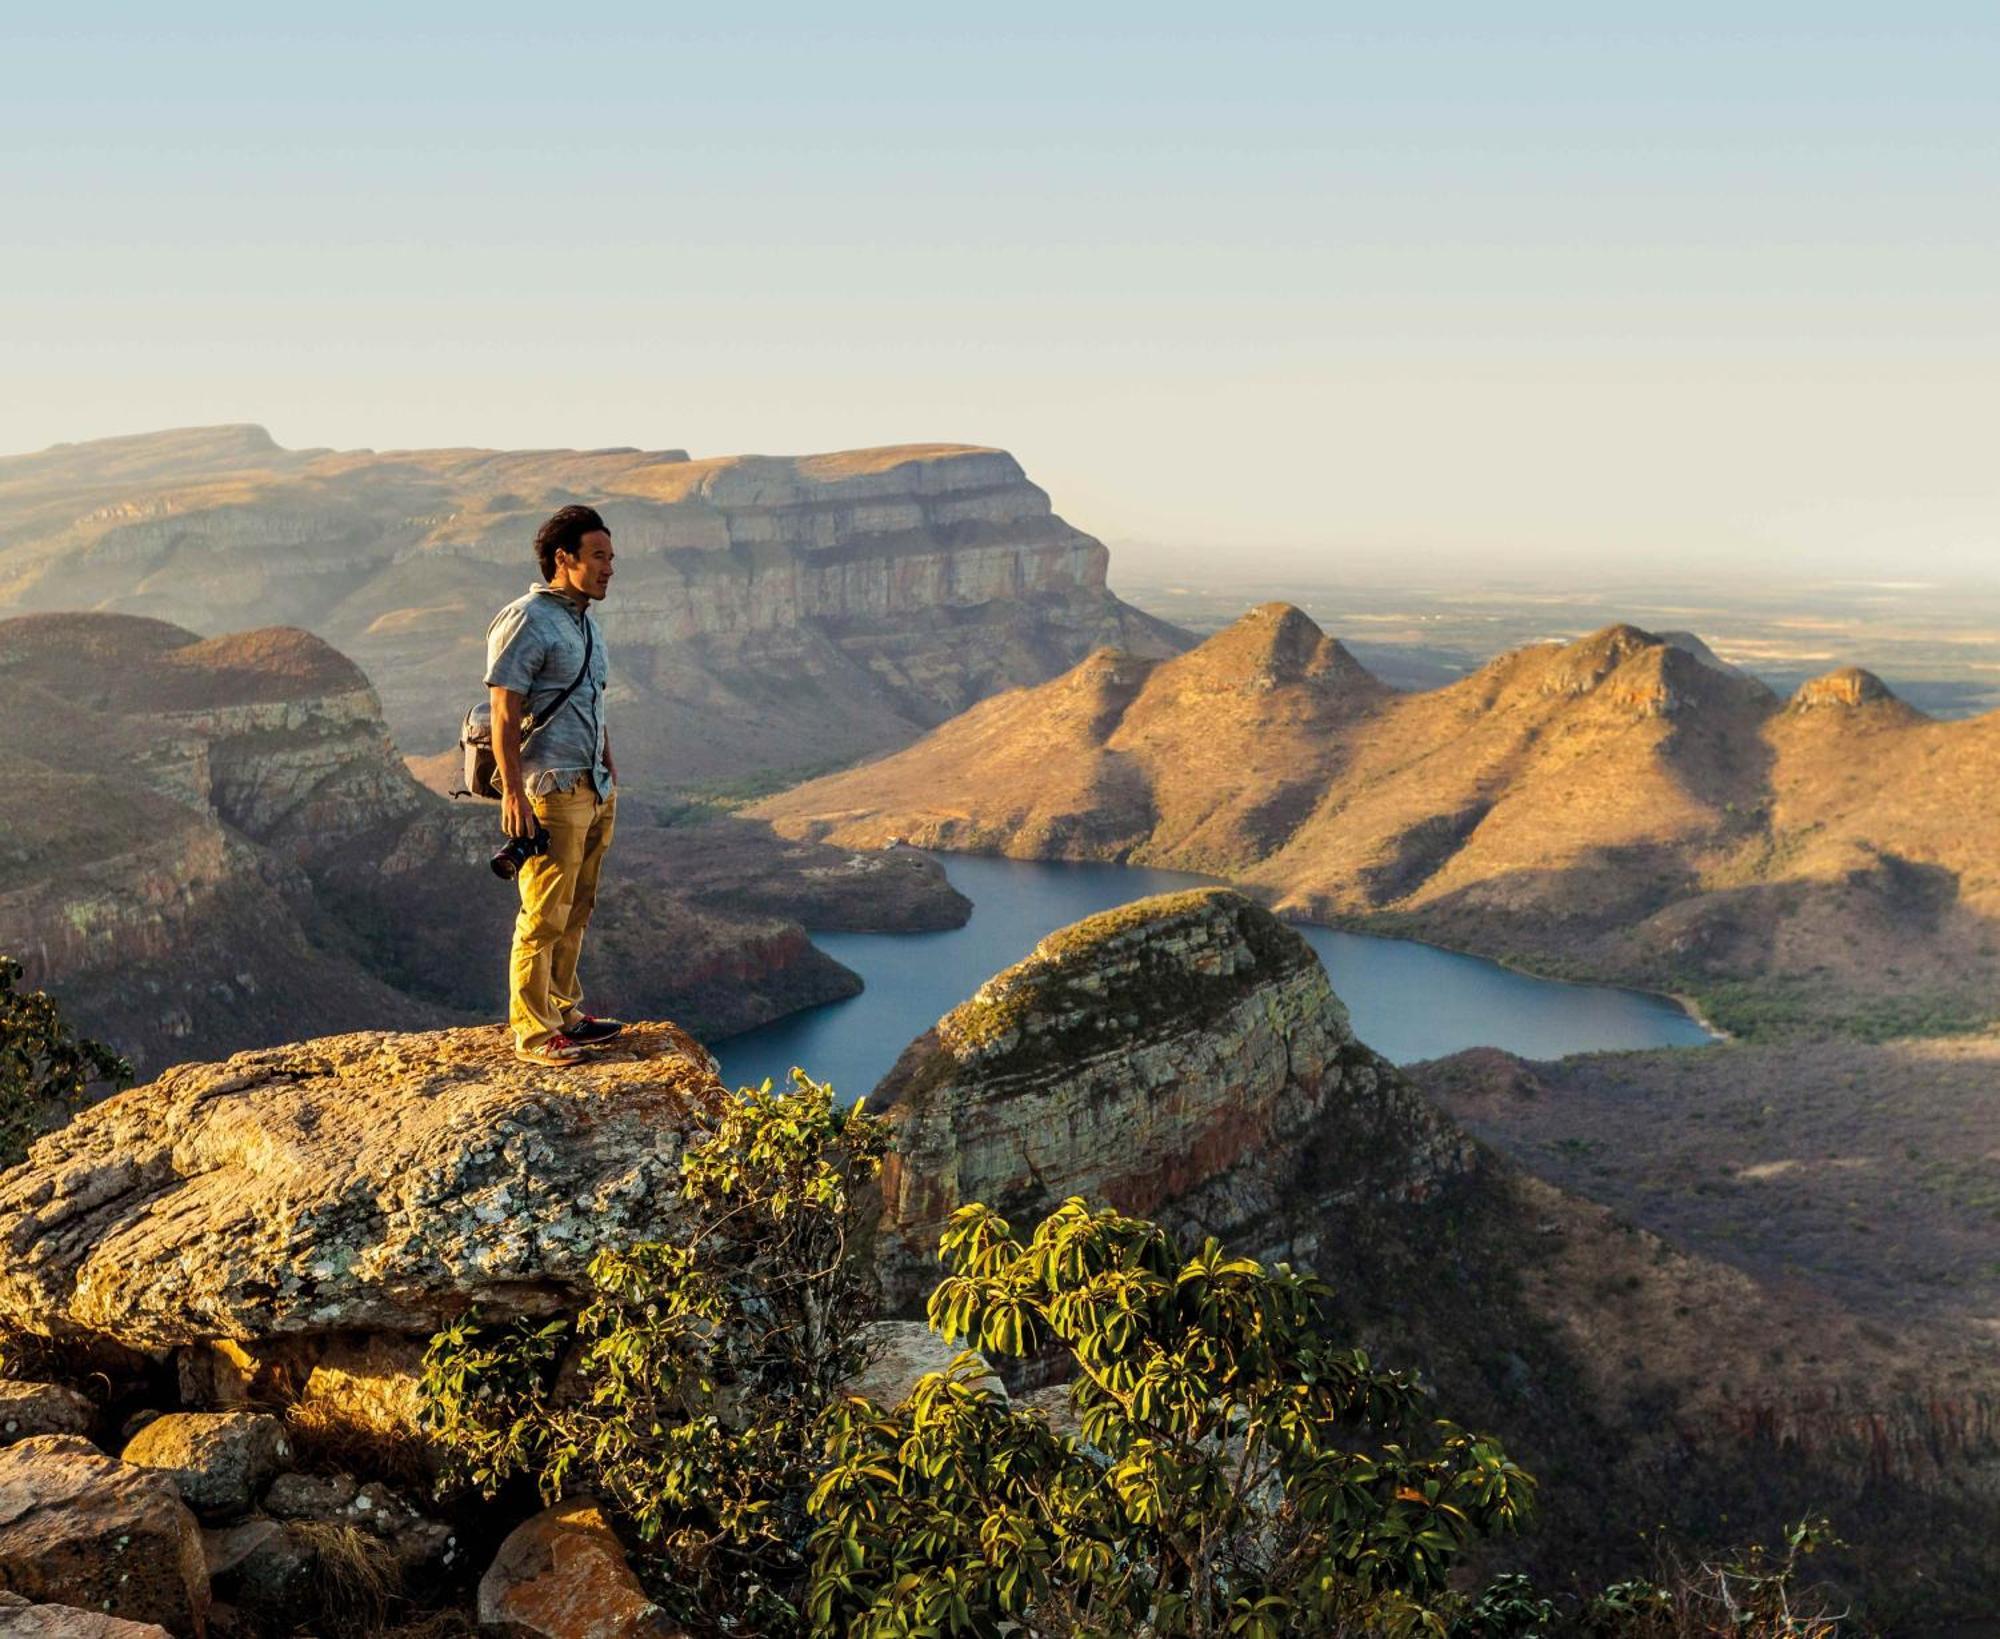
{"x": 767, "y": 613}
{"x": 213, "y": 844}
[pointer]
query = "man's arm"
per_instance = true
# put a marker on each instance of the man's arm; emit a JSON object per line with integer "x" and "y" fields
{"x": 610, "y": 762}
{"x": 517, "y": 814}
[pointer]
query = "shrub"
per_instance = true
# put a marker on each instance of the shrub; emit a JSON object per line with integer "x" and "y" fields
{"x": 687, "y": 1393}
{"x": 1236, "y": 1473}
{"x": 43, "y": 1063}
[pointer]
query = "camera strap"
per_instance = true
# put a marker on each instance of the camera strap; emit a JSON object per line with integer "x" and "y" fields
{"x": 548, "y": 716}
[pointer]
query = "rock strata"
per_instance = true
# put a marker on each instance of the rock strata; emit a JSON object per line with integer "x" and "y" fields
{"x": 1181, "y": 1058}
{"x": 354, "y": 1183}
{"x": 770, "y": 612}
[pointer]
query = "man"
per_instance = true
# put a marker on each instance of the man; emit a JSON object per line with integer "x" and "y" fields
{"x": 562, "y": 781}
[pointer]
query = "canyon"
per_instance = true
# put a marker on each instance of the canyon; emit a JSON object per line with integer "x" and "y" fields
{"x": 211, "y": 843}
{"x": 308, "y": 1213}
{"x": 768, "y": 613}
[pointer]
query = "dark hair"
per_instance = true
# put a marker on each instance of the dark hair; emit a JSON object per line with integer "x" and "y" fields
{"x": 564, "y": 532}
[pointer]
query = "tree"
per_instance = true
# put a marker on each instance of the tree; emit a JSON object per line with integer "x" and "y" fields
{"x": 43, "y": 1063}
{"x": 1234, "y": 1472}
{"x": 687, "y": 1393}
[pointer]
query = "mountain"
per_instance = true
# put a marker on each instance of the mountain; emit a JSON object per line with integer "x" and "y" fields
{"x": 1184, "y": 1059}
{"x": 1621, "y": 806}
{"x": 767, "y": 613}
{"x": 212, "y": 843}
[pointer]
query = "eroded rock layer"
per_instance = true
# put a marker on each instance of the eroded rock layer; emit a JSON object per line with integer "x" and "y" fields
{"x": 767, "y": 612}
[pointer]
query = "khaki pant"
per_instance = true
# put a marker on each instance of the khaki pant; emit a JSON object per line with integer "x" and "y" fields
{"x": 558, "y": 892}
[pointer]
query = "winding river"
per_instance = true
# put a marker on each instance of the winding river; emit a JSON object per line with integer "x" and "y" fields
{"x": 1409, "y": 1001}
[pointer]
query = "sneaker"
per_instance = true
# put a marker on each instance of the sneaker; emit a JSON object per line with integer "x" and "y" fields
{"x": 557, "y": 1050}
{"x": 584, "y": 1028}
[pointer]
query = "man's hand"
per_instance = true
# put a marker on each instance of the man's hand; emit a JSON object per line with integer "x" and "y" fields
{"x": 517, "y": 814}
{"x": 610, "y": 762}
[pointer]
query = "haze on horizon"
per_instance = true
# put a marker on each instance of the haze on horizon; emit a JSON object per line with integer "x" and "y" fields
{"x": 1302, "y": 287}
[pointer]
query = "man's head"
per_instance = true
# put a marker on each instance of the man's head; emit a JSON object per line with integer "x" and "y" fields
{"x": 574, "y": 550}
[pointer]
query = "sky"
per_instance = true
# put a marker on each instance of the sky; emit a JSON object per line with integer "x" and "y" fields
{"x": 1309, "y": 289}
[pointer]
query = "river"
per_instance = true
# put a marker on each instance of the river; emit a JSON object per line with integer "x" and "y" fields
{"x": 1409, "y": 1001}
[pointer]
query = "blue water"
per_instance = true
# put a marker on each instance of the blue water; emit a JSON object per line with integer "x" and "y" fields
{"x": 1408, "y": 1001}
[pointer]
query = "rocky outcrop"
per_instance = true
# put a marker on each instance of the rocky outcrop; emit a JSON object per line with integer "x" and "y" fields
{"x": 1847, "y": 688}
{"x": 768, "y": 612}
{"x": 357, "y": 1183}
{"x": 1182, "y": 1058}
{"x": 21, "y": 1620}
{"x": 77, "y": 1528}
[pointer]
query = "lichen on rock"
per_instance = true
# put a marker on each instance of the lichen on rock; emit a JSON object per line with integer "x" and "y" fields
{"x": 372, "y": 1182}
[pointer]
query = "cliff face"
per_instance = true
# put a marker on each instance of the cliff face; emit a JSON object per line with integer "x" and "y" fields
{"x": 1184, "y": 1059}
{"x": 766, "y": 612}
{"x": 1162, "y": 1059}
{"x": 213, "y": 844}
{"x": 1624, "y": 804}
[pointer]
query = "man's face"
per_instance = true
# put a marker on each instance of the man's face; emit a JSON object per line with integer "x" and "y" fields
{"x": 589, "y": 572}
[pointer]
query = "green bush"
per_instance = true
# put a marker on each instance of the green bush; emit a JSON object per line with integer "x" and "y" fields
{"x": 1236, "y": 1473}
{"x": 43, "y": 1063}
{"x": 688, "y": 1393}
{"x": 1232, "y": 1471}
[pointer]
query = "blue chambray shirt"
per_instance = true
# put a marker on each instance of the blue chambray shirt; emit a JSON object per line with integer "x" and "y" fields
{"x": 534, "y": 647}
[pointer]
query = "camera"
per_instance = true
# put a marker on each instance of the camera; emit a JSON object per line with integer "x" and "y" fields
{"x": 518, "y": 851}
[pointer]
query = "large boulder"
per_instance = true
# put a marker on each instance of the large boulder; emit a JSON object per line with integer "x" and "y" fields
{"x": 77, "y": 1528}
{"x": 563, "y": 1575}
{"x": 220, "y": 1461}
{"x": 373, "y": 1182}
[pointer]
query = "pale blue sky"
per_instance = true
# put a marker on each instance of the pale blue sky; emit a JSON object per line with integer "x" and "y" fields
{"x": 1310, "y": 286}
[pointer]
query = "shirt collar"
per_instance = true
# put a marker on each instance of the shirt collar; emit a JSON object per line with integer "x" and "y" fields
{"x": 560, "y": 596}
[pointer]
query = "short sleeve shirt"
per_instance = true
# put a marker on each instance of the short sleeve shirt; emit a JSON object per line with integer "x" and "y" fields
{"x": 534, "y": 647}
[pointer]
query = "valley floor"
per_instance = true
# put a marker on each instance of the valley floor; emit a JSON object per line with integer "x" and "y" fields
{"x": 1869, "y": 1170}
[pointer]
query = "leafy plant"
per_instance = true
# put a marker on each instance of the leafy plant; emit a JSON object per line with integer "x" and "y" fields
{"x": 687, "y": 1393}
{"x": 43, "y": 1062}
{"x": 1236, "y": 1473}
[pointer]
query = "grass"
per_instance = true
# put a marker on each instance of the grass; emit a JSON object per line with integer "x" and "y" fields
{"x": 356, "y": 1580}
{"x": 329, "y": 1440}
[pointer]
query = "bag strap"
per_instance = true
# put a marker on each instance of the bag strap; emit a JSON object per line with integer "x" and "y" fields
{"x": 548, "y": 716}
